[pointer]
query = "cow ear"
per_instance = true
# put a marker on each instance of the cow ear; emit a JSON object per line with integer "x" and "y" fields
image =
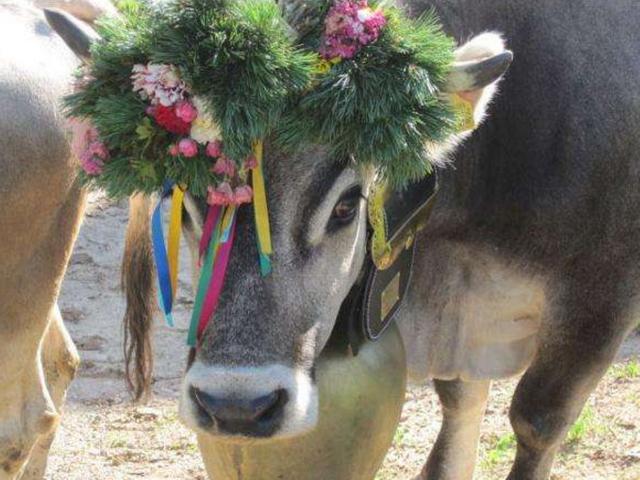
{"x": 87, "y": 10}
{"x": 77, "y": 35}
{"x": 478, "y": 65}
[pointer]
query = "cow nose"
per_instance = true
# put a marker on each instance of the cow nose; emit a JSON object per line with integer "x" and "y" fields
{"x": 252, "y": 417}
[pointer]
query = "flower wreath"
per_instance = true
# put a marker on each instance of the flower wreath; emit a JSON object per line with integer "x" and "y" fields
{"x": 180, "y": 98}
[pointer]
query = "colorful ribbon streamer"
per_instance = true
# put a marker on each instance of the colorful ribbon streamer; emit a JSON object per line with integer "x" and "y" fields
{"x": 216, "y": 243}
{"x": 163, "y": 262}
{"x": 217, "y": 277}
{"x": 212, "y": 232}
{"x": 213, "y": 215}
{"x": 261, "y": 213}
{"x": 213, "y": 271}
{"x": 175, "y": 227}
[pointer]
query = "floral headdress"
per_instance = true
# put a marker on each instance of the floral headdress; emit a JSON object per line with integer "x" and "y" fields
{"x": 181, "y": 98}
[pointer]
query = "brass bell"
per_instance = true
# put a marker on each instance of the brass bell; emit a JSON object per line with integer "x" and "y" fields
{"x": 361, "y": 400}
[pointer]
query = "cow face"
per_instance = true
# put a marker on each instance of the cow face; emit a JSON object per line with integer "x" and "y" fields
{"x": 253, "y": 373}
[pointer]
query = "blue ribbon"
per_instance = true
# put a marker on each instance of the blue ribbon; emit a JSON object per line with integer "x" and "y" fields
{"x": 165, "y": 293}
{"x": 265, "y": 263}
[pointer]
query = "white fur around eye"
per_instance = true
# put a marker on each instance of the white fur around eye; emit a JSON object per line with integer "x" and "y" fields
{"x": 317, "y": 224}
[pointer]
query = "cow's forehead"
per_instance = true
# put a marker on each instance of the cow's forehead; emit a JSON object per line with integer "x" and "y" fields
{"x": 288, "y": 172}
{"x": 295, "y": 178}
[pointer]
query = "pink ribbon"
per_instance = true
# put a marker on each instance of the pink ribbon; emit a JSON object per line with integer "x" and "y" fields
{"x": 207, "y": 229}
{"x": 217, "y": 280}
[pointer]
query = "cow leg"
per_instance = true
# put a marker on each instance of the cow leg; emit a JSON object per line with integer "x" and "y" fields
{"x": 573, "y": 356}
{"x": 60, "y": 361}
{"x": 453, "y": 456}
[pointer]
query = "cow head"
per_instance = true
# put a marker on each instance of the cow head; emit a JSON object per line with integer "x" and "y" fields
{"x": 253, "y": 373}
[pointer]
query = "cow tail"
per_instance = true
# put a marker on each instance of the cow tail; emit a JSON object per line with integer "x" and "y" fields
{"x": 138, "y": 286}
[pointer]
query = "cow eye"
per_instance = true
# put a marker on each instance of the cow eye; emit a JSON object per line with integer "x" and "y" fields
{"x": 345, "y": 209}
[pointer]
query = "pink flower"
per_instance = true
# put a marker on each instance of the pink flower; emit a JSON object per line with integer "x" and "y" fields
{"x": 224, "y": 166}
{"x": 349, "y": 26}
{"x": 188, "y": 147}
{"x": 251, "y": 162}
{"x": 98, "y": 149}
{"x": 174, "y": 151}
{"x": 93, "y": 158}
{"x": 186, "y": 111}
{"x": 91, "y": 166}
{"x": 87, "y": 146}
{"x": 243, "y": 194}
{"x": 221, "y": 195}
{"x": 335, "y": 23}
{"x": 214, "y": 149}
{"x": 83, "y": 133}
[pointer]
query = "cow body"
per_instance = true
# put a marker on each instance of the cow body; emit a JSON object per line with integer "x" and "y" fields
{"x": 38, "y": 223}
{"x": 530, "y": 261}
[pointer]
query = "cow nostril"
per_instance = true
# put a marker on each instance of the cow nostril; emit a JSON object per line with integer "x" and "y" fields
{"x": 258, "y": 417}
{"x": 265, "y": 407}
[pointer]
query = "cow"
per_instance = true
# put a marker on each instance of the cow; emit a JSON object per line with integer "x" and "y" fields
{"x": 530, "y": 258}
{"x": 40, "y": 216}
{"x": 527, "y": 265}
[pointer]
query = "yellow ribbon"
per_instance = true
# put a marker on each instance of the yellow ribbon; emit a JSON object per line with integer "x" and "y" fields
{"x": 226, "y": 223}
{"x": 175, "y": 226}
{"x": 260, "y": 204}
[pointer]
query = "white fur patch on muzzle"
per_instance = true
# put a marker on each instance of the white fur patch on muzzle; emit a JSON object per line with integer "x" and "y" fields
{"x": 299, "y": 413}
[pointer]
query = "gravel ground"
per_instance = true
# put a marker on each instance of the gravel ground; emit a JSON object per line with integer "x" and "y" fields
{"x": 104, "y": 437}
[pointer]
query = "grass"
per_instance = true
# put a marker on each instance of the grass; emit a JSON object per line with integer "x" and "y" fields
{"x": 502, "y": 448}
{"x": 168, "y": 419}
{"x": 116, "y": 439}
{"x": 184, "y": 446}
{"x": 399, "y": 436}
{"x": 626, "y": 371}
{"x": 582, "y": 426}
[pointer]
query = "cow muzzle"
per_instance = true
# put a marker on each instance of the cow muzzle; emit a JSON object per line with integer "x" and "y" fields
{"x": 252, "y": 417}
{"x": 272, "y": 401}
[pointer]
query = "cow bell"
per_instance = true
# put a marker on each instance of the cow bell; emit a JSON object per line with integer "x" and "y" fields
{"x": 361, "y": 400}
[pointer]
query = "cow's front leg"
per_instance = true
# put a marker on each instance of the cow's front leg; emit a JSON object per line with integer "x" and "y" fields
{"x": 573, "y": 357}
{"x": 453, "y": 456}
{"x": 60, "y": 361}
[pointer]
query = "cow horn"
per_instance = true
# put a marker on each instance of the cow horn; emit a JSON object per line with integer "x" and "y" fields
{"x": 77, "y": 35}
{"x": 475, "y": 74}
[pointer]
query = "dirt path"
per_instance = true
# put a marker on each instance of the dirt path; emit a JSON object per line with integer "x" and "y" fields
{"x": 104, "y": 437}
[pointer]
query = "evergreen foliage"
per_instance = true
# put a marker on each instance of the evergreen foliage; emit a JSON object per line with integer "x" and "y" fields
{"x": 235, "y": 55}
{"x": 382, "y": 106}
{"x": 377, "y": 108}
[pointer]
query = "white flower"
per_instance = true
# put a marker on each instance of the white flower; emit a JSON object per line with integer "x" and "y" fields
{"x": 169, "y": 78}
{"x": 159, "y": 83}
{"x": 204, "y": 128}
{"x": 168, "y": 97}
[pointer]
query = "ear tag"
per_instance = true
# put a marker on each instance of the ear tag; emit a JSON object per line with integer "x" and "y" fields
{"x": 464, "y": 111}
